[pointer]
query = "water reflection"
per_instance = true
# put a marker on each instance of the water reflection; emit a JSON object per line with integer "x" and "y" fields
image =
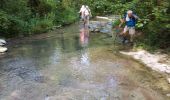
{"x": 84, "y": 36}
{"x": 84, "y": 40}
{"x": 81, "y": 63}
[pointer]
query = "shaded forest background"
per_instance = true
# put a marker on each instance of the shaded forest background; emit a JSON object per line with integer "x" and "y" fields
{"x": 26, "y": 17}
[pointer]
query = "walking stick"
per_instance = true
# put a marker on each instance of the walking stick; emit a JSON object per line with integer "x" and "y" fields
{"x": 117, "y": 32}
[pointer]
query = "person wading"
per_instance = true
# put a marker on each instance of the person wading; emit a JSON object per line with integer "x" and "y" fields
{"x": 130, "y": 20}
{"x": 87, "y": 15}
{"x": 82, "y": 9}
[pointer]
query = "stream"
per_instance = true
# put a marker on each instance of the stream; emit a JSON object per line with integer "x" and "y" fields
{"x": 74, "y": 64}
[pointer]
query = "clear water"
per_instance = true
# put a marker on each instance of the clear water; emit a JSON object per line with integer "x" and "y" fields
{"x": 73, "y": 64}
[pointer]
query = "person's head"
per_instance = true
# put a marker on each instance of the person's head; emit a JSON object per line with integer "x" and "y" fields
{"x": 87, "y": 6}
{"x": 130, "y": 13}
{"x": 83, "y": 6}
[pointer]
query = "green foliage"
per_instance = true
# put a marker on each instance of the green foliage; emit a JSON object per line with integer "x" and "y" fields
{"x": 156, "y": 25}
{"x": 14, "y": 16}
{"x": 66, "y": 17}
{"x": 5, "y": 23}
{"x": 116, "y": 23}
{"x": 154, "y": 17}
{"x": 25, "y": 17}
{"x": 41, "y": 25}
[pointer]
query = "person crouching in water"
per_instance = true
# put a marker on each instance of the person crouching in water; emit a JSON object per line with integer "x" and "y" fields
{"x": 130, "y": 20}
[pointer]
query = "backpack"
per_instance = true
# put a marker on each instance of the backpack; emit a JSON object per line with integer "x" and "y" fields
{"x": 125, "y": 15}
{"x": 89, "y": 12}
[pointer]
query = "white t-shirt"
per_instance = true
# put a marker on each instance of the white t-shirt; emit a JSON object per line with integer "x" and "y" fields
{"x": 87, "y": 12}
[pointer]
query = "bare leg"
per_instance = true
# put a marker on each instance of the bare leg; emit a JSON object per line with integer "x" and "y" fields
{"x": 88, "y": 21}
{"x": 132, "y": 33}
{"x": 124, "y": 34}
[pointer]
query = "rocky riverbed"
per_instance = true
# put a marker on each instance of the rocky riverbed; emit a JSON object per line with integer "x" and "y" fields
{"x": 75, "y": 64}
{"x": 103, "y": 24}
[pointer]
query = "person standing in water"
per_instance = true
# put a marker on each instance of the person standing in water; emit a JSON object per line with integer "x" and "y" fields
{"x": 82, "y": 10}
{"x": 130, "y": 19}
{"x": 87, "y": 15}
{"x": 84, "y": 40}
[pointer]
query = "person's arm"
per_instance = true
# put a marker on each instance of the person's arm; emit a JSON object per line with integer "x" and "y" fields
{"x": 80, "y": 10}
{"x": 90, "y": 13}
{"x": 121, "y": 22}
{"x": 135, "y": 16}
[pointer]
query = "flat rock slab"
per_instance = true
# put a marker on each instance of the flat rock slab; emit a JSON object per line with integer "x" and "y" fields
{"x": 109, "y": 18}
{"x": 151, "y": 60}
{"x": 168, "y": 94}
{"x": 3, "y": 49}
{"x": 168, "y": 82}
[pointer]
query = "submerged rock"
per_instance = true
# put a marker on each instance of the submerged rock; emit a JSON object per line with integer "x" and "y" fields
{"x": 103, "y": 24}
{"x": 95, "y": 26}
{"x": 100, "y": 26}
{"x": 107, "y": 28}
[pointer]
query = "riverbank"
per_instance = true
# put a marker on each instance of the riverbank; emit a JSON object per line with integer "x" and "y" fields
{"x": 156, "y": 61}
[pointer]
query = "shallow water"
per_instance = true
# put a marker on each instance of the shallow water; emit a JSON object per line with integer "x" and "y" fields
{"x": 73, "y": 64}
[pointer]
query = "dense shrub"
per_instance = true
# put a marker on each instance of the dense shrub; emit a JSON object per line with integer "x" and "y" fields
{"x": 5, "y": 23}
{"x": 25, "y": 17}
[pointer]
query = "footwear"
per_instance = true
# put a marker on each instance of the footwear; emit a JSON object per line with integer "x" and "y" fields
{"x": 124, "y": 40}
